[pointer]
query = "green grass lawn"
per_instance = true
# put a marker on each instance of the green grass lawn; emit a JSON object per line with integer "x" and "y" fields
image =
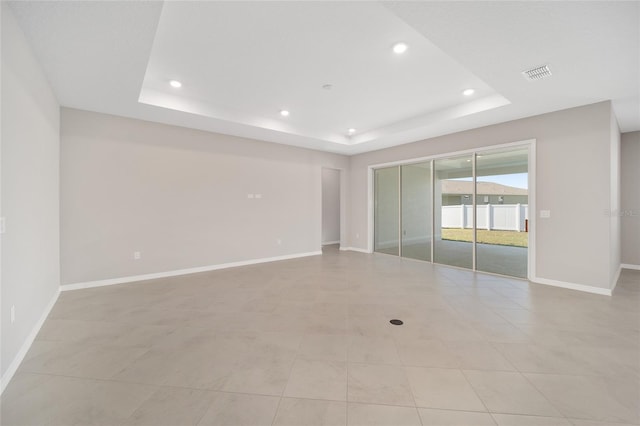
{"x": 504, "y": 238}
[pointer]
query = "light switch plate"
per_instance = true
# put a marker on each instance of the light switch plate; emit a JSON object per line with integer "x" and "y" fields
{"x": 545, "y": 214}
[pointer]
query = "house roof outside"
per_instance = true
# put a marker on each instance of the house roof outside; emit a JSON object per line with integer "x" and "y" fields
{"x": 484, "y": 188}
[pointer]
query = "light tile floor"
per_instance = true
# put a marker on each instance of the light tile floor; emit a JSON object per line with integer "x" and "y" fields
{"x": 308, "y": 342}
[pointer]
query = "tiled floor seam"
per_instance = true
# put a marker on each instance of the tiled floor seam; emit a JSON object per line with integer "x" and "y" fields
{"x": 293, "y": 363}
{"x": 144, "y": 402}
{"x": 475, "y": 391}
{"x": 346, "y": 391}
{"x": 543, "y": 395}
{"x": 495, "y": 348}
{"x": 165, "y": 386}
{"x": 404, "y": 367}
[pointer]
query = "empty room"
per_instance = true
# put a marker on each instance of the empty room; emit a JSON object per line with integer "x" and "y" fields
{"x": 320, "y": 213}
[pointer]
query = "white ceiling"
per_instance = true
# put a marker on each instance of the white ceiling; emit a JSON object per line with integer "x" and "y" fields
{"x": 242, "y": 62}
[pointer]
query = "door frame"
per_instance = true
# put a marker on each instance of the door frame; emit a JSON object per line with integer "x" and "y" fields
{"x": 530, "y": 143}
{"x": 343, "y": 203}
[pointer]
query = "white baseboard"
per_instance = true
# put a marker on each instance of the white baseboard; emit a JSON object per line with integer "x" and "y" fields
{"x": 326, "y": 243}
{"x": 13, "y": 367}
{"x": 630, "y": 266}
{"x": 572, "y": 286}
{"x": 355, "y": 249}
{"x": 122, "y": 280}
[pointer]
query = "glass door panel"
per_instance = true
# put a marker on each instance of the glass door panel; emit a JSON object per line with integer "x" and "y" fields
{"x": 387, "y": 210}
{"x": 453, "y": 211}
{"x": 503, "y": 212}
{"x": 416, "y": 211}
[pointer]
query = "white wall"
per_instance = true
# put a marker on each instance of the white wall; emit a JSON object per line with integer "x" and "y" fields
{"x": 630, "y": 198}
{"x": 572, "y": 174}
{"x": 330, "y": 206}
{"x": 179, "y": 196}
{"x": 29, "y": 193}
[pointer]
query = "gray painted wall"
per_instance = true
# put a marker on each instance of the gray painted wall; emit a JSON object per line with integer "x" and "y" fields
{"x": 630, "y": 199}
{"x": 180, "y": 197}
{"x": 29, "y": 191}
{"x": 572, "y": 175}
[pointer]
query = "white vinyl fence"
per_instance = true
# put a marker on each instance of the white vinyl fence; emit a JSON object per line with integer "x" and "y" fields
{"x": 503, "y": 217}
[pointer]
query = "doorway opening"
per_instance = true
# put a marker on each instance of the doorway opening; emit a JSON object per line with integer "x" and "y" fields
{"x": 330, "y": 206}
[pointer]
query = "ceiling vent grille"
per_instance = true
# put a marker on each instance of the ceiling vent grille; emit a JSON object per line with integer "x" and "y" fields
{"x": 537, "y": 73}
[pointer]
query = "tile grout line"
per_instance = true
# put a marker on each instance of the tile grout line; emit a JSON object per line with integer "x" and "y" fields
{"x": 406, "y": 376}
{"x": 544, "y": 396}
{"x": 348, "y": 350}
{"x": 154, "y": 385}
{"x": 293, "y": 363}
{"x": 475, "y": 391}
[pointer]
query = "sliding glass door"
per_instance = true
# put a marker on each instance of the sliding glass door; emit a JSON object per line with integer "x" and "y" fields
{"x": 387, "y": 210}
{"x": 503, "y": 212}
{"x": 469, "y": 211}
{"x": 453, "y": 187}
{"x": 416, "y": 211}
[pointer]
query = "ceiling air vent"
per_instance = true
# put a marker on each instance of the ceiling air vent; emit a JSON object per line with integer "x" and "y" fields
{"x": 537, "y": 73}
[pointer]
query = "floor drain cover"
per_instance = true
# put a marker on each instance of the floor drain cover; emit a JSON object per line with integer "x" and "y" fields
{"x": 396, "y": 322}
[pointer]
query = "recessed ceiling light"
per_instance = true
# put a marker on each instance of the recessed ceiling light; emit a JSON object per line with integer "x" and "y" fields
{"x": 175, "y": 83}
{"x": 468, "y": 92}
{"x": 400, "y": 47}
{"x": 284, "y": 113}
{"x": 351, "y": 131}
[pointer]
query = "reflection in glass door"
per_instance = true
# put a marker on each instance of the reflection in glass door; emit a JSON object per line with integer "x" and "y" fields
{"x": 453, "y": 213}
{"x": 503, "y": 212}
{"x": 416, "y": 211}
{"x": 387, "y": 210}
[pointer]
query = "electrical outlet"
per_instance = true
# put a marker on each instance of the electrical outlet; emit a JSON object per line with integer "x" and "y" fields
{"x": 279, "y": 241}
{"x": 250, "y": 196}
{"x": 2, "y": 226}
{"x": 136, "y": 255}
{"x": 13, "y": 314}
{"x": 545, "y": 214}
{"x": 258, "y": 195}
{"x": 357, "y": 236}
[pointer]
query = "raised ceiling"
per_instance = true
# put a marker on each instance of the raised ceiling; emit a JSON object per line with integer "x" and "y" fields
{"x": 241, "y": 63}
